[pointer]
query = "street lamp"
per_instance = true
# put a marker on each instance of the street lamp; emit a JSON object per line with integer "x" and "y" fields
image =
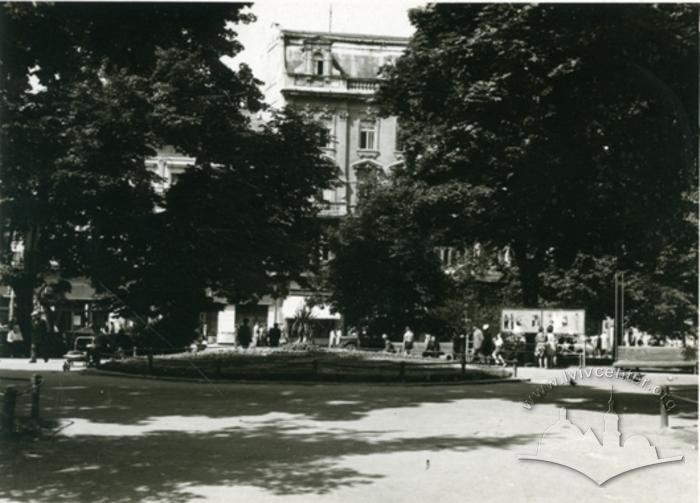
{"x": 619, "y": 327}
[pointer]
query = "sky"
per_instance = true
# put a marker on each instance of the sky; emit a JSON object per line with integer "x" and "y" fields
{"x": 374, "y": 17}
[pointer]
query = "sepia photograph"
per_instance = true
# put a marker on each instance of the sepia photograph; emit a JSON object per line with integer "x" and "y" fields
{"x": 349, "y": 251}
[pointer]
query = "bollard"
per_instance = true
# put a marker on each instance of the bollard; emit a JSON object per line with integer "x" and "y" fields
{"x": 663, "y": 412}
{"x": 134, "y": 352}
{"x": 463, "y": 362}
{"x": 580, "y": 361}
{"x": 150, "y": 362}
{"x": 36, "y": 383}
{"x": 402, "y": 370}
{"x": 515, "y": 368}
{"x": 9, "y": 401}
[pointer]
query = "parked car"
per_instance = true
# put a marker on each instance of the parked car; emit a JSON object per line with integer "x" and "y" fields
{"x": 80, "y": 351}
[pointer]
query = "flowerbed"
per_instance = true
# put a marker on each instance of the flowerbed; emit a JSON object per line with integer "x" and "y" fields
{"x": 316, "y": 364}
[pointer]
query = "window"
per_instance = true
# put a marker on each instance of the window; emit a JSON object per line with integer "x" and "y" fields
{"x": 368, "y": 133}
{"x": 329, "y": 137}
{"x": 318, "y": 64}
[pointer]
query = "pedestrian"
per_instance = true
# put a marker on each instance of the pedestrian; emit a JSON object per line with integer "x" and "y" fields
{"x": 15, "y": 341}
{"x": 100, "y": 348}
{"x": 274, "y": 335}
{"x": 551, "y": 348}
{"x": 245, "y": 337}
{"x": 39, "y": 336}
{"x": 256, "y": 335}
{"x": 432, "y": 348}
{"x": 595, "y": 342}
{"x": 487, "y": 345}
{"x": 477, "y": 343}
{"x": 498, "y": 349}
{"x": 541, "y": 348}
{"x": 458, "y": 345}
{"x": 388, "y": 346}
{"x": 408, "y": 341}
{"x": 605, "y": 342}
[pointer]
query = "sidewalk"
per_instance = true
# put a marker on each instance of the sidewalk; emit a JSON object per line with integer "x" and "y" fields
{"x": 53, "y": 365}
{"x": 543, "y": 376}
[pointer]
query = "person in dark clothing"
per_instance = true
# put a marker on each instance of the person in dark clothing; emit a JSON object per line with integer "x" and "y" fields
{"x": 100, "y": 348}
{"x": 274, "y": 336}
{"x": 39, "y": 339}
{"x": 388, "y": 346}
{"x": 122, "y": 340}
{"x": 432, "y": 348}
{"x": 245, "y": 336}
{"x": 459, "y": 345}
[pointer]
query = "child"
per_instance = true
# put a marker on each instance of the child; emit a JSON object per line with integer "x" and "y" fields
{"x": 498, "y": 348}
{"x": 541, "y": 348}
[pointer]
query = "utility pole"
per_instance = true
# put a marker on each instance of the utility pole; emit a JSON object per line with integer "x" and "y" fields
{"x": 619, "y": 327}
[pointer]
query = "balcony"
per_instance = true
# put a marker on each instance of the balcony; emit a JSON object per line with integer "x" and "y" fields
{"x": 363, "y": 85}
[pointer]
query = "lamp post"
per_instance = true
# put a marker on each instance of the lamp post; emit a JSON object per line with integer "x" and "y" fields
{"x": 619, "y": 327}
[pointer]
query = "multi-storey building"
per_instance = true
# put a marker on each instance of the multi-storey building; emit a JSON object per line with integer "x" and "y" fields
{"x": 332, "y": 77}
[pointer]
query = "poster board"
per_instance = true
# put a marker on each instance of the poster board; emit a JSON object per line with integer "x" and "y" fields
{"x": 563, "y": 321}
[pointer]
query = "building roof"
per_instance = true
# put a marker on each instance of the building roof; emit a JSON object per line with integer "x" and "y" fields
{"x": 348, "y": 37}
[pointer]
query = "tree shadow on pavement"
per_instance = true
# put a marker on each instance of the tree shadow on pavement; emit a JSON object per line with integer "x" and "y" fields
{"x": 131, "y": 401}
{"x": 163, "y": 465}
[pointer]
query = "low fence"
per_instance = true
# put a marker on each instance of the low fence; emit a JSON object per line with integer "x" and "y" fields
{"x": 10, "y": 399}
{"x": 305, "y": 367}
{"x": 667, "y": 395}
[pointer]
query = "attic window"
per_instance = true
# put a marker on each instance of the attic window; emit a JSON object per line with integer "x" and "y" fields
{"x": 318, "y": 64}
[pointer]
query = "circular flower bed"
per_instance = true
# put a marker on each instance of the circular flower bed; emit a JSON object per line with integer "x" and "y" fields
{"x": 303, "y": 364}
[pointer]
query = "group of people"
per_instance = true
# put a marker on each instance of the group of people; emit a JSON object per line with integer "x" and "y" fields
{"x": 14, "y": 341}
{"x": 18, "y": 347}
{"x": 258, "y": 335}
{"x": 485, "y": 348}
{"x": 546, "y": 347}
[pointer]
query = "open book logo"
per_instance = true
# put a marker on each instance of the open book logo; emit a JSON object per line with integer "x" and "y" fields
{"x": 565, "y": 444}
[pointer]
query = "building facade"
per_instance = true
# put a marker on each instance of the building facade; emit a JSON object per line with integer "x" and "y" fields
{"x": 332, "y": 78}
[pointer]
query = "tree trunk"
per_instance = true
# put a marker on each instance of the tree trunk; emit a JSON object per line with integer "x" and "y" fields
{"x": 24, "y": 298}
{"x": 530, "y": 266}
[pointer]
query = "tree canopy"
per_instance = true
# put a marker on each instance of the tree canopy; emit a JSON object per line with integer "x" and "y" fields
{"x": 88, "y": 92}
{"x": 385, "y": 272}
{"x": 552, "y": 129}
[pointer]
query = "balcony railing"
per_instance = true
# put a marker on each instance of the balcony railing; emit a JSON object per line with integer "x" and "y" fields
{"x": 362, "y": 85}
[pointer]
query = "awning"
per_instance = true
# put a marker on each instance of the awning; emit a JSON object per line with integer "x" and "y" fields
{"x": 294, "y": 303}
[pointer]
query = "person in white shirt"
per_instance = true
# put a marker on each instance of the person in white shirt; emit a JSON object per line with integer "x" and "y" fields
{"x": 407, "y": 341}
{"x": 15, "y": 341}
{"x": 498, "y": 349}
{"x": 477, "y": 343}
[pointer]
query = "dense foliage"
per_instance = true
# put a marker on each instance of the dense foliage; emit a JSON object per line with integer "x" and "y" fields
{"x": 385, "y": 273}
{"x": 88, "y": 92}
{"x": 548, "y": 129}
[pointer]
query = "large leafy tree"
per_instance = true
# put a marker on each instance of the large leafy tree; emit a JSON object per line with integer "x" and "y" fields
{"x": 236, "y": 229}
{"x": 551, "y": 129}
{"x": 385, "y": 272}
{"x": 87, "y": 93}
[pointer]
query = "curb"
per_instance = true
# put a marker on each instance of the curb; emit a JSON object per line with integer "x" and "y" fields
{"x": 112, "y": 373}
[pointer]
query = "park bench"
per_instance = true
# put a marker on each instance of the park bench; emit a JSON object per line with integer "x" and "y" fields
{"x": 651, "y": 357}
